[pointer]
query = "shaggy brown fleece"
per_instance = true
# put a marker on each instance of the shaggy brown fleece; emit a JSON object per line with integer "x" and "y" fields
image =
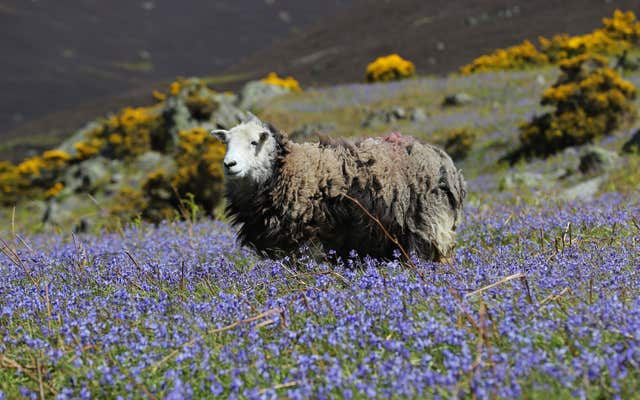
{"x": 414, "y": 190}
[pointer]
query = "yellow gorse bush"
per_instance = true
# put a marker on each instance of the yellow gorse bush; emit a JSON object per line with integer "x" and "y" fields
{"x": 590, "y": 100}
{"x": 32, "y": 177}
{"x": 562, "y": 47}
{"x": 31, "y": 166}
{"x": 617, "y": 34}
{"x": 515, "y": 57}
{"x": 123, "y": 135}
{"x": 622, "y": 26}
{"x": 200, "y": 172}
{"x": 288, "y": 83}
{"x": 389, "y": 68}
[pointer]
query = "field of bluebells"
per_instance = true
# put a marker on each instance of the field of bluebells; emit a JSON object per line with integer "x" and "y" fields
{"x": 540, "y": 299}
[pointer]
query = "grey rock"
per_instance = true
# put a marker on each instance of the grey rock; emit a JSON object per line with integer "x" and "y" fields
{"x": 382, "y": 117}
{"x": 87, "y": 175}
{"x": 52, "y": 214}
{"x": 583, "y": 191}
{"x": 570, "y": 152}
{"x": 256, "y": 92}
{"x": 65, "y": 211}
{"x": 458, "y": 99}
{"x": 374, "y": 118}
{"x": 399, "y": 113}
{"x": 141, "y": 167}
{"x": 596, "y": 160}
{"x": 516, "y": 179}
{"x": 152, "y": 161}
{"x": 418, "y": 115}
{"x": 311, "y": 131}
{"x": 633, "y": 144}
{"x": 177, "y": 116}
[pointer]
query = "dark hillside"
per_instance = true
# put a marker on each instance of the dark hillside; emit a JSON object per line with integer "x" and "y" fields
{"x": 437, "y": 35}
{"x": 62, "y": 54}
{"x": 70, "y": 61}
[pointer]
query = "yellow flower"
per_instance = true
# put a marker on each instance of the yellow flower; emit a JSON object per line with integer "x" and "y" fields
{"x": 115, "y": 139}
{"x": 159, "y": 95}
{"x": 288, "y": 83}
{"x": 56, "y": 155}
{"x": 88, "y": 148}
{"x": 174, "y": 88}
{"x": 54, "y": 190}
{"x": 560, "y": 93}
{"x": 31, "y": 166}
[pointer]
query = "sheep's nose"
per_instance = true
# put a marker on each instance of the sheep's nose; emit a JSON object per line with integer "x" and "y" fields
{"x": 229, "y": 164}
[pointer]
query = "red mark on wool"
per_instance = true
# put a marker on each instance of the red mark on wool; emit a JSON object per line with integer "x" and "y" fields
{"x": 396, "y": 137}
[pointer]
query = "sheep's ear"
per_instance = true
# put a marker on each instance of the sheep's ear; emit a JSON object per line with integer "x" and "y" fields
{"x": 272, "y": 128}
{"x": 221, "y": 134}
{"x": 252, "y": 117}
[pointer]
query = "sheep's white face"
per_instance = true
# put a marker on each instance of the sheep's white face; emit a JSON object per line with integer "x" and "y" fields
{"x": 251, "y": 151}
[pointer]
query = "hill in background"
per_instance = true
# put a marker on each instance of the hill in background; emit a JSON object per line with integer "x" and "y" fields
{"x": 72, "y": 62}
{"x": 438, "y": 36}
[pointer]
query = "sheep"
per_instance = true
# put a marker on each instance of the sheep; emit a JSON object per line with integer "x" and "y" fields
{"x": 283, "y": 195}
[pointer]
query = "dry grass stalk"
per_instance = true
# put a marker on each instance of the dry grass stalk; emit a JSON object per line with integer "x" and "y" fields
{"x": 278, "y": 386}
{"x": 6, "y": 362}
{"x": 500, "y": 282}
{"x": 553, "y": 297}
{"x": 13, "y": 256}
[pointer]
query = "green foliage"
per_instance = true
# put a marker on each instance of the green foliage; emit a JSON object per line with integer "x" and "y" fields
{"x": 590, "y": 100}
{"x": 625, "y": 179}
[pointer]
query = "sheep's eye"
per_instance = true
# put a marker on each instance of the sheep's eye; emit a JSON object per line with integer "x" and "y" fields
{"x": 254, "y": 142}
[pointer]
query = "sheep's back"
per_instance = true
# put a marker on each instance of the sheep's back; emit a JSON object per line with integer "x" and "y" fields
{"x": 414, "y": 189}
